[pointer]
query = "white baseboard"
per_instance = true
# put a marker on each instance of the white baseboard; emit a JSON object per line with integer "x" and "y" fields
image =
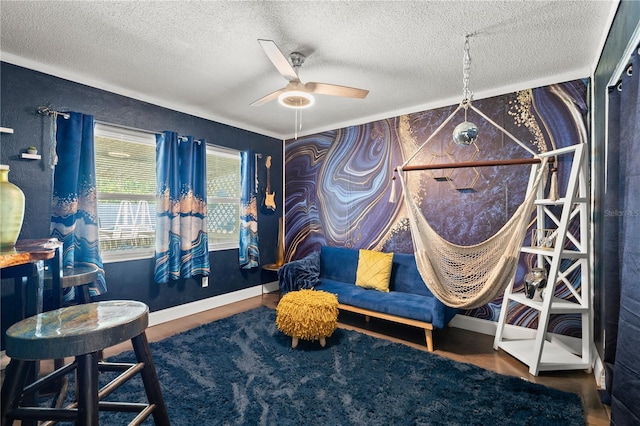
{"x": 270, "y": 287}
{"x": 489, "y": 327}
{"x": 478, "y": 325}
{"x": 180, "y": 311}
{"x": 598, "y": 369}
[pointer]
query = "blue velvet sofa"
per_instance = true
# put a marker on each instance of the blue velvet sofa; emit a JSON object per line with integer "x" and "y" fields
{"x": 408, "y": 301}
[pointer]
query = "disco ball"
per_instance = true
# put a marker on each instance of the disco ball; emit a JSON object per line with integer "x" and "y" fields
{"x": 465, "y": 133}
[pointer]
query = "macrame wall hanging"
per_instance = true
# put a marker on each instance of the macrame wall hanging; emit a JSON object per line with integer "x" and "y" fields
{"x": 468, "y": 277}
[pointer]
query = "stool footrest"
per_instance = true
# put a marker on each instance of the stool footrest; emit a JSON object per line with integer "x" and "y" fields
{"x": 131, "y": 407}
{"x": 48, "y": 379}
{"x": 70, "y": 411}
{"x": 114, "y": 366}
{"x": 144, "y": 410}
{"x": 38, "y": 413}
{"x": 42, "y": 413}
{"x": 120, "y": 380}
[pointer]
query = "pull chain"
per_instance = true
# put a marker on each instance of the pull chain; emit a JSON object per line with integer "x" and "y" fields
{"x": 297, "y": 123}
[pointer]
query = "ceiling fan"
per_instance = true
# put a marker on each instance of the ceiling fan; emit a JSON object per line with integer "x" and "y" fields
{"x": 297, "y": 94}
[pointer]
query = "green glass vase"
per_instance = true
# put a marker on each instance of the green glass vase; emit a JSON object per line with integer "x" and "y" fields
{"x": 11, "y": 209}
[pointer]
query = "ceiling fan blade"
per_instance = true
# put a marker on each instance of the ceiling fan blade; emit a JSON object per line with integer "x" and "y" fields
{"x": 278, "y": 59}
{"x": 335, "y": 90}
{"x": 268, "y": 98}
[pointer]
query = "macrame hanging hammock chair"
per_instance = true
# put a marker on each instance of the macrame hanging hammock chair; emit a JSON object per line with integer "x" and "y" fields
{"x": 468, "y": 277}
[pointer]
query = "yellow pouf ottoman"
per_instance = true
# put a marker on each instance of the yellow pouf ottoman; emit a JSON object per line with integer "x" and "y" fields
{"x": 308, "y": 315}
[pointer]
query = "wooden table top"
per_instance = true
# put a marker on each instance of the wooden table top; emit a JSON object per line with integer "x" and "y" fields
{"x": 271, "y": 267}
{"x": 27, "y": 251}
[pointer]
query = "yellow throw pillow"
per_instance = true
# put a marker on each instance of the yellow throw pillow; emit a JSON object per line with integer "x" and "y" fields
{"x": 374, "y": 270}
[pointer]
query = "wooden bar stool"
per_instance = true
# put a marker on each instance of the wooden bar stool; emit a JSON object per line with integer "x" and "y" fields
{"x": 79, "y": 277}
{"x": 80, "y": 331}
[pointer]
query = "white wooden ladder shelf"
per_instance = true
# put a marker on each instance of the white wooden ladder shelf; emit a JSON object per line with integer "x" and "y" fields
{"x": 565, "y": 256}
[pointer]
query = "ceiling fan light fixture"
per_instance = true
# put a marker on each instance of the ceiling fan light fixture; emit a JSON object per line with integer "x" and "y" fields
{"x": 296, "y": 99}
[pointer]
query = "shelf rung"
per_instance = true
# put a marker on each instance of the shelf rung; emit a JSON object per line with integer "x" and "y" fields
{"x": 558, "y": 305}
{"x": 558, "y": 202}
{"x": 554, "y": 356}
{"x": 564, "y": 254}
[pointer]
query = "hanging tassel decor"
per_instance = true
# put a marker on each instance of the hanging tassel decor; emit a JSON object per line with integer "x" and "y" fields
{"x": 392, "y": 196}
{"x": 553, "y": 186}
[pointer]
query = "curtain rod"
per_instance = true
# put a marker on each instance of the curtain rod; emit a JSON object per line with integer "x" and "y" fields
{"x": 186, "y": 138}
{"x": 43, "y": 110}
{"x": 487, "y": 163}
{"x": 48, "y": 111}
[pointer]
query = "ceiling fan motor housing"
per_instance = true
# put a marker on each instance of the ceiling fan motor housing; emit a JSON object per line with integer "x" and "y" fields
{"x": 297, "y": 59}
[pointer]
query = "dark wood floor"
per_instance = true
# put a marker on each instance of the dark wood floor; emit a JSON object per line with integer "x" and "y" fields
{"x": 454, "y": 343}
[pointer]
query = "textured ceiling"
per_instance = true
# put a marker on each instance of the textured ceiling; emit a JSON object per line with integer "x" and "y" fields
{"x": 203, "y": 57}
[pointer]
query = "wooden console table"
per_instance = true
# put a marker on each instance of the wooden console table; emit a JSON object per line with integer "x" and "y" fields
{"x": 25, "y": 264}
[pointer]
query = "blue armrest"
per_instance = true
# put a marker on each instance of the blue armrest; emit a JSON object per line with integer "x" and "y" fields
{"x": 300, "y": 274}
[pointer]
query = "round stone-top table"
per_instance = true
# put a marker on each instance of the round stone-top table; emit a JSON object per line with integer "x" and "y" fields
{"x": 307, "y": 314}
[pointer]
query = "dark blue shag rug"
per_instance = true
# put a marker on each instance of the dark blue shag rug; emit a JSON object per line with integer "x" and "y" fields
{"x": 242, "y": 371}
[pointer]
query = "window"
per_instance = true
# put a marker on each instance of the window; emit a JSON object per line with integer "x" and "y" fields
{"x": 223, "y": 197}
{"x": 126, "y": 186}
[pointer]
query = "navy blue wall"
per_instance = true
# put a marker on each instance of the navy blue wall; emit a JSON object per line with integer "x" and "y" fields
{"x": 24, "y": 90}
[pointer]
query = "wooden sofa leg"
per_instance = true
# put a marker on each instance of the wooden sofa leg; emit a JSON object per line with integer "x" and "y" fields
{"x": 429, "y": 337}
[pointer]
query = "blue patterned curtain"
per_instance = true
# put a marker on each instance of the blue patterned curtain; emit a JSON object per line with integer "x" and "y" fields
{"x": 74, "y": 204}
{"x": 249, "y": 252}
{"x": 182, "y": 249}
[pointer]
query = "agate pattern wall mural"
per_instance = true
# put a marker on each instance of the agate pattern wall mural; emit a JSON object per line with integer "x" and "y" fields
{"x": 338, "y": 183}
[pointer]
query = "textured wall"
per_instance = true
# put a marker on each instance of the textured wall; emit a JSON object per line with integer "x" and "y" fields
{"x": 338, "y": 183}
{"x": 23, "y": 91}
